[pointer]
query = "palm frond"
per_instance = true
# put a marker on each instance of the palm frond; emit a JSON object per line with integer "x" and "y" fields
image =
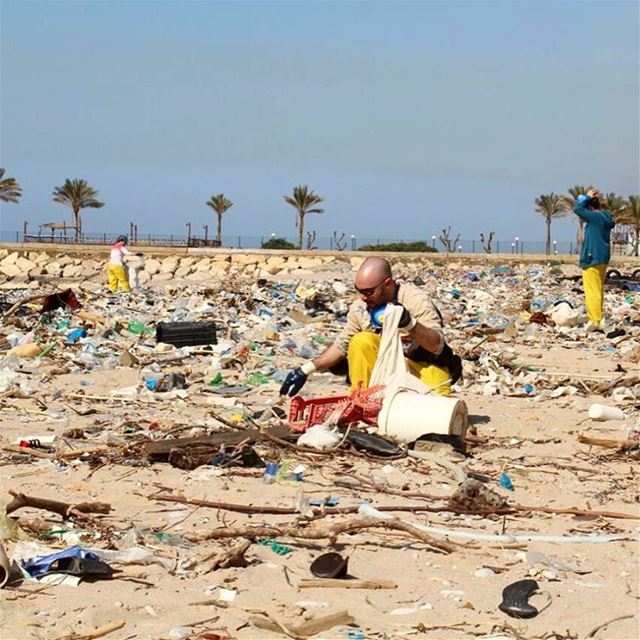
{"x": 10, "y": 189}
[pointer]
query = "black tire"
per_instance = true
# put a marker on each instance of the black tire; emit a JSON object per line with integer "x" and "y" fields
{"x": 613, "y": 274}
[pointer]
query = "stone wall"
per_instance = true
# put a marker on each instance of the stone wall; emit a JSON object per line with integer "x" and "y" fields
{"x": 32, "y": 268}
{"x": 23, "y": 267}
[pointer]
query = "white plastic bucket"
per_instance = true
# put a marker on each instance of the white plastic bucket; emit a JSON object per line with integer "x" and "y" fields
{"x": 602, "y": 412}
{"x": 407, "y": 415}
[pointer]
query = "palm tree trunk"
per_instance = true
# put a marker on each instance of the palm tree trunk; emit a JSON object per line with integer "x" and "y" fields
{"x": 637, "y": 247}
{"x": 219, "y": 231}
{"x": 77, "y": 223}
{"x": 548, "y": 243}
{"x": 300, "y": 229}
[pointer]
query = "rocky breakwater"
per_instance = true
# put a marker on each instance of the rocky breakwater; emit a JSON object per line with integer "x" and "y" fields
{"x": 31, "y": 269}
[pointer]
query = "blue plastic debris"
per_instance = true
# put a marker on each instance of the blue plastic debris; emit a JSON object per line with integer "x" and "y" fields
{"x": 75, "y": 335}
{"x": 505, "y": 482}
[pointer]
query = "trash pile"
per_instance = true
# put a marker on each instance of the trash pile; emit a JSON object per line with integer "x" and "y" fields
{"x": 145, "y": 448}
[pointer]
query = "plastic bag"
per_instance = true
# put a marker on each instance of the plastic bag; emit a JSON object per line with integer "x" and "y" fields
{"x": 320, "y": 437}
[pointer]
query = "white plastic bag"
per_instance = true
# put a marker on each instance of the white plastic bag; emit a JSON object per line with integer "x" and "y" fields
{"x": 320, "y": 436}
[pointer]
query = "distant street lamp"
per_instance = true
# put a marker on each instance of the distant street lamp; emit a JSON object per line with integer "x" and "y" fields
{"x": 433, "y": 241}
{"x": 353, "y": 242}
{"x": 513, "y": 247}
{"x": 555, "y": 247}
{"x": 517, "y": 241}
{"x": 460, "y": 248}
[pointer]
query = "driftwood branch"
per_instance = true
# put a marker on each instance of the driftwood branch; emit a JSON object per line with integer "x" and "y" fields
{"x": 314, "y": 583}
{"x": 160, "y": 449}
{"x": 301, "y": 630}
{"x": 233, "y": 557}
{"x": 63, "y": 509}
{"x": 609, "y": 444}
{"x": 317, "y": 532}
{"x": 412, "y": 508}
{"x": 96, "y": 633}
{"x": 11, "y": 310}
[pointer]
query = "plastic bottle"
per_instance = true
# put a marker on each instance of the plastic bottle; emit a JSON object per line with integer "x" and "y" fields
{"x": 165, "y": 382}
{"x": 270, "y": 472}
{"x": 602, "y": 412}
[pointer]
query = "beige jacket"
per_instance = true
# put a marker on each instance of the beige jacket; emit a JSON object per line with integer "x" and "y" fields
{"x": 416, "y": 301}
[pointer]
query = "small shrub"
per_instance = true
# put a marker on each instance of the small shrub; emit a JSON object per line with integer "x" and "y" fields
{"x": 420, "y": 246}
{"x": 277, "y": 243}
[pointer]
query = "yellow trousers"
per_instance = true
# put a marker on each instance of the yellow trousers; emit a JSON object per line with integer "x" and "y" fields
{"x": 118, "y": 276}
{"x": 362, "y": 354}
{"x": 593, "y": 283}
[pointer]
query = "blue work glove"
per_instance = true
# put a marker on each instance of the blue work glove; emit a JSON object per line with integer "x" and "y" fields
{"x": 293, "y": 382}
{"x": 582, "y": 198}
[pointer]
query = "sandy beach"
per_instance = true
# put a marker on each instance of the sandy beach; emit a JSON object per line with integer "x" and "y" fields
{"x": 587, "y": 587}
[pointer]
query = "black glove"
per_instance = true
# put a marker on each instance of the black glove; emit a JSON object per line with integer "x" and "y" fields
{"x": 293, "y": 382}
{"x": 406, "y": 319}
{"x": 446, "y": 359}
{"x": 452, "y": 362}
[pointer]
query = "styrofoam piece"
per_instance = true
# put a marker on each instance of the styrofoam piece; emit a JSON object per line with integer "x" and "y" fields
{"x": 407, "y": 415}
{"x": 602, "y": 412}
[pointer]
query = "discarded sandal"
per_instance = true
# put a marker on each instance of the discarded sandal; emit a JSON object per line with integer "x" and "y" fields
{"x": 515, "y": 599}
{"x": 82, "y": 567}
{"x": 329, "y": 565}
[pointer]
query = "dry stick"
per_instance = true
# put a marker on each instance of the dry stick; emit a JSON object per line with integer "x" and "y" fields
{"x": 96, "y": 633}
{"x": 234, "y": 557}
{"x": 77, "y": 453}
{"x": 63, "y": 509}
{"x": 28, "y": 450}
{"x": 26, "y": 300}
{"x": 346, "y": 584}
{"x": 199, "y": 622}
{"x": 301, "y": 630}
{"x": 593, "y": 632}
{"x": 317, "y": 532}
{"x": 609, "y": 444}
{"x": 516, "y": 509}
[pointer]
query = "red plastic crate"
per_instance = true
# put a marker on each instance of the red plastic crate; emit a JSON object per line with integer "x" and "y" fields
{"x": 362, "y": 404}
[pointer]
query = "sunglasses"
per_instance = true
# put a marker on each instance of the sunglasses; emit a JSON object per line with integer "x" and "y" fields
{"x": 369, "y": 291}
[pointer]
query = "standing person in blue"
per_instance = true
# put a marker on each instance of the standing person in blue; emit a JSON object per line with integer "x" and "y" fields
{"x": 595, "y": 254}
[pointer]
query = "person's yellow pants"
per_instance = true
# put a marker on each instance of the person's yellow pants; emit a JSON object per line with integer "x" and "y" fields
{"x": 593, "y": 283}
{"x": 362, "y": 354}
{"x": 118, "y": 277}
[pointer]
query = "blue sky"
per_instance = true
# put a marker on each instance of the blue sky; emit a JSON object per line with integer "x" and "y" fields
{"x": 407, "y": 116}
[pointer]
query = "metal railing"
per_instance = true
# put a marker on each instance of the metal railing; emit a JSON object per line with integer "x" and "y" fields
{"x": 620, "y": 246}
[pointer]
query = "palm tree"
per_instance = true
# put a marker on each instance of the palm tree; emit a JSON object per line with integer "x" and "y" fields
{"x": 10, "y": 189}
{"x": 303, "y": 202}
{"x": 569, "y": 202}
{"x": 78, "y": 195}
{"x": 630, "y": 215}
{"x": 550, "y": 206}
{"x": 614, "y": 204}
{"x": 219, "y": 204}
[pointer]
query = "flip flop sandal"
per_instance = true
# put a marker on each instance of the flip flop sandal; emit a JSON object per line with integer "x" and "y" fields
{"x": 329, "y": 565}
{"x": 515, "y": 599}
{"x": 87, "y": 568}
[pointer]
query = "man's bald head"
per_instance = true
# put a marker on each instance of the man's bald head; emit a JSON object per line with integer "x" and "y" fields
{"x": 374, "y": 282}
{"x": 372, "y": 270}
